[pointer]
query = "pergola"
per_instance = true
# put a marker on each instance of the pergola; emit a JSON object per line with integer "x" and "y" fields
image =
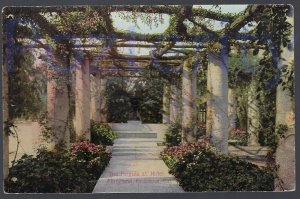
{"x": 180, "y": 52}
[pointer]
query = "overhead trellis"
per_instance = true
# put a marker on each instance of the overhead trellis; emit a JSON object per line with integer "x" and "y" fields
{"x": 59, "y": 26}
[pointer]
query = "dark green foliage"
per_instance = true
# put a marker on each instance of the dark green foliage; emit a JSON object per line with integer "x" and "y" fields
{"x": 240, "y": 67}
{"x": 173, "y": 135}
{"x": 273, "y": 23}
{"x": 207, "y": 170}
{"x": 51, "y": 172}
{"x": 281, "y": 130}
{"x": 102, "y": 134}
{"x": 150, "y": 92}
{"x": 118, "y": 100}
{"x": 266, "y": 96}
{"x": 287, "y": 79}
{"x": 201, "y": 131}
{"x": 24, "y": 87}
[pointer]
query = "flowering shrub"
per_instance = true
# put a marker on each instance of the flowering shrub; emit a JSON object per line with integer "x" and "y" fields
{"x": 199, "y": 167}
{"x": 102, "y": 134}
{"x": 76, "y": 171}
{"x": 178, "y": 151}
{"x": 171, "y": 154}
{"x": 239, "y": 135}
{"x": 85, "y": 150}
{"x": 207, "y": 170}
{"x": 49, "y": 172}
{"x": 96, "y": 157}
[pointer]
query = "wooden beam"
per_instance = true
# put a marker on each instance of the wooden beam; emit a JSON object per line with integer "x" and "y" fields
{"x": 226, "y": 17}
{"x": 241, "y": 20}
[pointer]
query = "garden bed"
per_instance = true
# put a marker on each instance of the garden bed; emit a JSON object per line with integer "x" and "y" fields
{"x": 199, "y": 167}
{"x": 76, "y": 170}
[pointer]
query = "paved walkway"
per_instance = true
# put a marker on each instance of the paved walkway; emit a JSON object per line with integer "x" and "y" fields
{"x": 136, "y": 167}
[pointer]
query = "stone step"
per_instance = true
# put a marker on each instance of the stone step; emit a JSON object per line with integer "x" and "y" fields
{"x": 248, "y": 150}
{"x": 131, "y": 126}
{"x": 137, "y": 150}
{"x": 249, "y": 153}
{"x": 136, "y": 134}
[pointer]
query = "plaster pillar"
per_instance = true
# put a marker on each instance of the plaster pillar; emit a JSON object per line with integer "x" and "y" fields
{"x": 285, "y": 103}
{"x": 188, "y": 101}
{"x": 82, "y": 100}
{"x": 96, "y": 96}
{"x": 174, "y": 103}
{"x": 232, "y": 108}
{"x": 166, "y": 104}
{"x": 253, "y": 114}
{"x": 217, "y": 64}
{"x": 103, "y": 100}
{"x": 208, "y": 105}
{"x": 57, "y": 108}
{"x": 5, "y": 98}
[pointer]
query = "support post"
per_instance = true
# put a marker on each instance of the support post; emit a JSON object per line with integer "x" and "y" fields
{"x": 253, "y": 114}
{"x": 188, "y": 101}
{"x": 166, "y": 104}
{"x": 5, "y": 98}
{"x": 174, "y": 103}
{"x": 232, "y": 108}
{"x": 103, "y": 100}
{"x": 285, "y": 153}
{"x": 96, "y": 96}
{"x": 217, "y": 64}
{"x": 82, "y": 99}
{"x": 208, "y": 105}
{"x": 57, "y": 108}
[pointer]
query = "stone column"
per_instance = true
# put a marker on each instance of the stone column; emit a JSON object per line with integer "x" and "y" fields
{"x": 232, "y": 108}
{"x": 82, "y": 100}
{"x": 5, "y": 98}
{"x": 285, "y": 153}
{"x": 208, "y": 105}
{"x": 174, "y": 103}
{"x": 253, "y": 114}
{"x": 188, "y": 101}
{"x": 103, "y": 100}
{"x": 57, "y": 108}
{"x": 217, "y": 64}
{"x": 194, "y": 97}
{"x": 95, "y": 83}
{"x": 166, "y": 104}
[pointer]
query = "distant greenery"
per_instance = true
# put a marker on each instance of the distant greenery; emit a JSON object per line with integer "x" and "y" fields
{"x": 149, "y": 92}
{"x": 118, "y": 100}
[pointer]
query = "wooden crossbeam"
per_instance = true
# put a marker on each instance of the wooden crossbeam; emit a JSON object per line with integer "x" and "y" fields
{"x": 226, "y": 17}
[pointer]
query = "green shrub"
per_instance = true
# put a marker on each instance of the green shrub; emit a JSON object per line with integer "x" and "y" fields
{"x": 49, "y": 172}
{"x": 207, "y": 170}
{"x": 102, "y": 134}
{"x": 58, "y": 172}
{"x": 173, "y": 135}
{"x": 168, "y": 159}
{"x": 201, "y": 131}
